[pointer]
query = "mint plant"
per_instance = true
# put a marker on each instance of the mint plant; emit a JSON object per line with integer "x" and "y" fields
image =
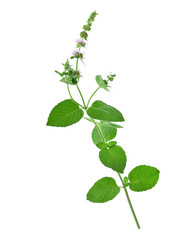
{"x": 104, "y": 118}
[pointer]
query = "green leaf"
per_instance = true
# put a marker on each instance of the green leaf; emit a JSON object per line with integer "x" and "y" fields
{"x": 126, "y": 181}
{"x": 143, "y": 178}
{"x": 67, "y": 80}
{"x": 110, "y": 124}
{"x": 103, "y": 190}
{"x": 114, "y": 158}
{"x": 102, "y": 111}
{"x": 101, "y": 82}
{"x": 65, "y": 114}
{"x": 108, "y": 132}
{"x": 88, "y": 119}
{"x": 60, "y": 74}
{"x": 111, "y": 144}
{"x": 101, "y": 145}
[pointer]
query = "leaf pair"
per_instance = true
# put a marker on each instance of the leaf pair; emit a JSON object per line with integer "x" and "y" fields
{"x": 68, "y": 112}
{"x": 141, "y": 178}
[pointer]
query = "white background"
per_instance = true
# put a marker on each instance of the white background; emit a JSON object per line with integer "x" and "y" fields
{"x": 45, "y": 172}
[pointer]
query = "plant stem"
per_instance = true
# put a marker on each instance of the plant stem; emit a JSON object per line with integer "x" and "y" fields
{"x": 81, "y": 96}
{"x": 92, "y": 95}
{"x": 71, "y": 96}
{"x": 130, "y": 204}
{"x": 103, "y": 138}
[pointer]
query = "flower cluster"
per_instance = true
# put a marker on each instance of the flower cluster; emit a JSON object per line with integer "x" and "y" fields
{"x": 109, "y": 78}
{"x": 84, "y": 35}
{"x": 87, "y": 27}
{"x": 69, "y": 75}
{"x": 77, "y": 54}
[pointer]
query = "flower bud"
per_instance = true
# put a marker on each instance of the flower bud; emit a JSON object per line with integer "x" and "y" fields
{"x": 84, "y": 35}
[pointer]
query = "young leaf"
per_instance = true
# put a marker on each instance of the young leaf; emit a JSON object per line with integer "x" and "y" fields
{"x": 126, "y": 181}
{"x": 114, "y": 158}
{"x": 101, "y": 82}
{"x": 111, "y": 144}
{"x": 102, "y": 111}
{"x": 65, "y": 114}
{"x": 143, "y": 178}
{"x": 108, "y": 132}
{"x": 67, "y": 80}
{"x": 103, "y": 190}
{"x": 101, "y": 145}
{"x": 110, "y": 124}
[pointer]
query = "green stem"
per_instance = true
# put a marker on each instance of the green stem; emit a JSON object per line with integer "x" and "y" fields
{"x": 102, "y": 136}
{"x": 81, "y": 96}
{"x": 77, "y": 63}
{"x": 77, "y": 84}
{"x": 130, "y": 204}
{"x": 71, "y": 96}
{"x": 92, "y": 95}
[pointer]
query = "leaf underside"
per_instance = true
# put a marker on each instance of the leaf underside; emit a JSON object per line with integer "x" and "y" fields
{"x": 101, "y": 82}
{"x": 108, "y": 132}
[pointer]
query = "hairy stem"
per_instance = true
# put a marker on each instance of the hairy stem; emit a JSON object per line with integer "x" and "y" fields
{"x": 130, "y": 204}
{"x": 92, "y": 95}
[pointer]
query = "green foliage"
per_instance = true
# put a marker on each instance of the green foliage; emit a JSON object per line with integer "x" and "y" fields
{"x": 101, "y": 111}
{"x": 114, "y": 158}
{"x": 103, "y": 190}
{"x": 101, "y": 145}
{"x": 111, "y": 155}
{"x": 126, "y": 181}
{"x": 143, "y": 178}
{"x": 111, "y": 144}
{"x": 65, "y": 114}
{"x": 110, "y": 124}
{"x": 108, "y": 132}
{"x": 102, "y": 84}
{"x": 69, "y": 75}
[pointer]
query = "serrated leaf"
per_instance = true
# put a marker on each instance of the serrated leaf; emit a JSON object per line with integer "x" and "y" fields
{"x": 143, "y": 178}
{"x": 101, "y": 82}
{"x": 102, "y": 111}
{"x": 65, "y": 114}
{"x": 103, "y": 190}
{"x": 108, "y": 132}
{"x": 110, "y": 124}
{"x": 114, "y": 158}
{"x": 111, "y": 144}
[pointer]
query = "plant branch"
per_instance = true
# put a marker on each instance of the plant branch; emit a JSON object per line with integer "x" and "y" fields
{"x": 71, "y": 96}
{"x": 92, "y": 95}
{"x": 130, "y": 204}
